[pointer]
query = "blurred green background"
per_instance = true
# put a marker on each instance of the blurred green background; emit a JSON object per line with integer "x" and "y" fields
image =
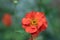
{"x": 18, "y": 8}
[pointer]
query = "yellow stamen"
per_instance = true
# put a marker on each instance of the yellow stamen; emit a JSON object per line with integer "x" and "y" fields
{"x": 34, "y": 22}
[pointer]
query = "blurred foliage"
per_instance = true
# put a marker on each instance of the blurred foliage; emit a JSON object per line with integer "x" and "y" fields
{"x": 18, "y": 10}
{"x": 46, "y": 1}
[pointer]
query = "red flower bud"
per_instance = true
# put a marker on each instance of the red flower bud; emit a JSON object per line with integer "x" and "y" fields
{"x": 7, "y": 19}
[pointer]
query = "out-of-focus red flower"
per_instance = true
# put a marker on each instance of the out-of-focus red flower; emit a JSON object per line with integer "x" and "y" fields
{"x": 6, "y": 19}
{"x": 34, "y": 22}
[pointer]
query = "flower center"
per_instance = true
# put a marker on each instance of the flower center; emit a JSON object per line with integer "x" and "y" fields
{"x": 34, "y": 22}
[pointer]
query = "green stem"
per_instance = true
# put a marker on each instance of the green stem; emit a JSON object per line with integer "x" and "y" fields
{"x": 32, "y": 38}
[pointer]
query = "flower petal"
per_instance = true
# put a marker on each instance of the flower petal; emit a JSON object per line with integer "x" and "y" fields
{"x": 31, "y": 29}
{"x": 25, "y": 21}
{"x": 39, "y": 24}
{"x": 39, "y": 15}
{"x": 44, "y": 21}
{"x": 30, "y": 14}
{"x": 35, "y": 34}
{"x": 26, "y": 25}
{"x": 43, "y": 28}
{"x": 45, "y": 24}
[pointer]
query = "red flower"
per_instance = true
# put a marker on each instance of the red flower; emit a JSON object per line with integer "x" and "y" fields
{"x": 6, "y": 19}
{"x": 34, "y": 22}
